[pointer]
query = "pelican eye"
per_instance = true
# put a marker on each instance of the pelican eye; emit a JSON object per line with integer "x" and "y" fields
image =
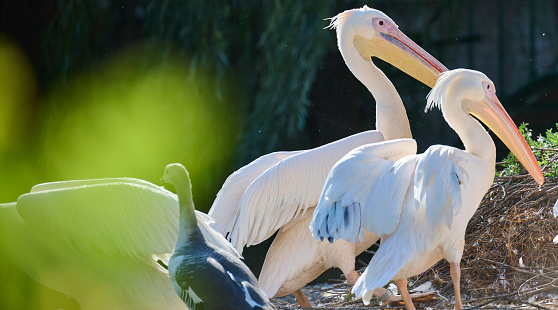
{"x": 381, "y": 22}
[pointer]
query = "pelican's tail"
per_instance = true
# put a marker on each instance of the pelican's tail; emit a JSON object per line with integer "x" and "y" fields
{"x": 384, "y": 265}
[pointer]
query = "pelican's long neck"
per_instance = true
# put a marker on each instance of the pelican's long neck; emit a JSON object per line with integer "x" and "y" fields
{"x": 188, "y": 223}
{"x": 391, "y": 117}
{"x": 473, "y": 135}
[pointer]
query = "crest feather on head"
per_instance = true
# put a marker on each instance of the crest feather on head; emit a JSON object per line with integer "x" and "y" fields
{"x": 437, "y": 96}
{"x": 337, "y": 20}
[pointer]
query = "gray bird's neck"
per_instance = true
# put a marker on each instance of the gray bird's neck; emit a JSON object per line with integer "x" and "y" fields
{"x": 188, "y": 224}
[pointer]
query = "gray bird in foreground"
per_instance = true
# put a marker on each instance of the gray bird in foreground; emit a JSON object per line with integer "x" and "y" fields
{"x": 204, "y": 276}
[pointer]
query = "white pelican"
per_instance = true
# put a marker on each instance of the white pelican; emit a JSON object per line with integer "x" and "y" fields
{"x": 203, "y": 275}
{"x": 279, "y": 191}
{"x": 421, "y": 204}
{"x": 97, "y": 240}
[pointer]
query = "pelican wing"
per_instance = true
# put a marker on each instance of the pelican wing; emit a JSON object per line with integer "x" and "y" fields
{"x": 366, "y": 189}
{"x": 284, "y": 192}
{"x": 227, "y": 202}
{"x": 437, "y": 184}
{"x": 212, "y": 236}
{"x": 120, "y": 215}
{"x": 117, "y": 216}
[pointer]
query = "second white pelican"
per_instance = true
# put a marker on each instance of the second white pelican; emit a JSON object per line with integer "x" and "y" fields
{"x": 421, "y": 204}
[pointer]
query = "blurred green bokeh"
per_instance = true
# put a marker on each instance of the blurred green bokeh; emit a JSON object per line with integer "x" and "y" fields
{"x": 131, "y": 121}
{"x": 17, "y": 93}
{"x": 17, "y": 90}
{"x": 128, "y": 118}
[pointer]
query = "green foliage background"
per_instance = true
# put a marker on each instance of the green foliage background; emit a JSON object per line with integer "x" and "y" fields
{"x": 544, "y": 147}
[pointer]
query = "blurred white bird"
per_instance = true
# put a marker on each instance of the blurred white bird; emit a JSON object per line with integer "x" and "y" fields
{"x": 421, "y": 204}
{"x": 99, "y": 241}
{"x": 278, "y": 191}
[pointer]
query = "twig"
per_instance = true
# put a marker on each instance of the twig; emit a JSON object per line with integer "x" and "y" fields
{"x": 545, "y": 149}
{"x": 362, "y": 263}
{"x": 504, "y": 297}
{"x": 512, "y": 177}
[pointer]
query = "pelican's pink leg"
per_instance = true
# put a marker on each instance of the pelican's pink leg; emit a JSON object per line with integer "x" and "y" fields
{"x": 455, "y": 273}
{"x": 352, "y": 277}
{"x": 402, "y": 287}
{"x": 301, "y": 298}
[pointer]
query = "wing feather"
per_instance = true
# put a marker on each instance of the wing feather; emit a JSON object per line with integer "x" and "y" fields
{"x": 284, "y": 192}
{"x": 117, "y": 217}
{"x": 437, "y": 184}
{"x": 369, "y": 183}
{"x": 120, "y": 215}
{"x": 228, "y": 198}
{"x": 214, "y": 237}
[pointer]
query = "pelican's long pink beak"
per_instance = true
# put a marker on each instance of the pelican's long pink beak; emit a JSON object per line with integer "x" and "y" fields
{"x": 399, "y": 39}
{"x": 492, "y": 113}
{"x": 393, "y": 46}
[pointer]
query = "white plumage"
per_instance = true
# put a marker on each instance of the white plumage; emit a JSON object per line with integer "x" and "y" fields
{"x": 232, "y": 190}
